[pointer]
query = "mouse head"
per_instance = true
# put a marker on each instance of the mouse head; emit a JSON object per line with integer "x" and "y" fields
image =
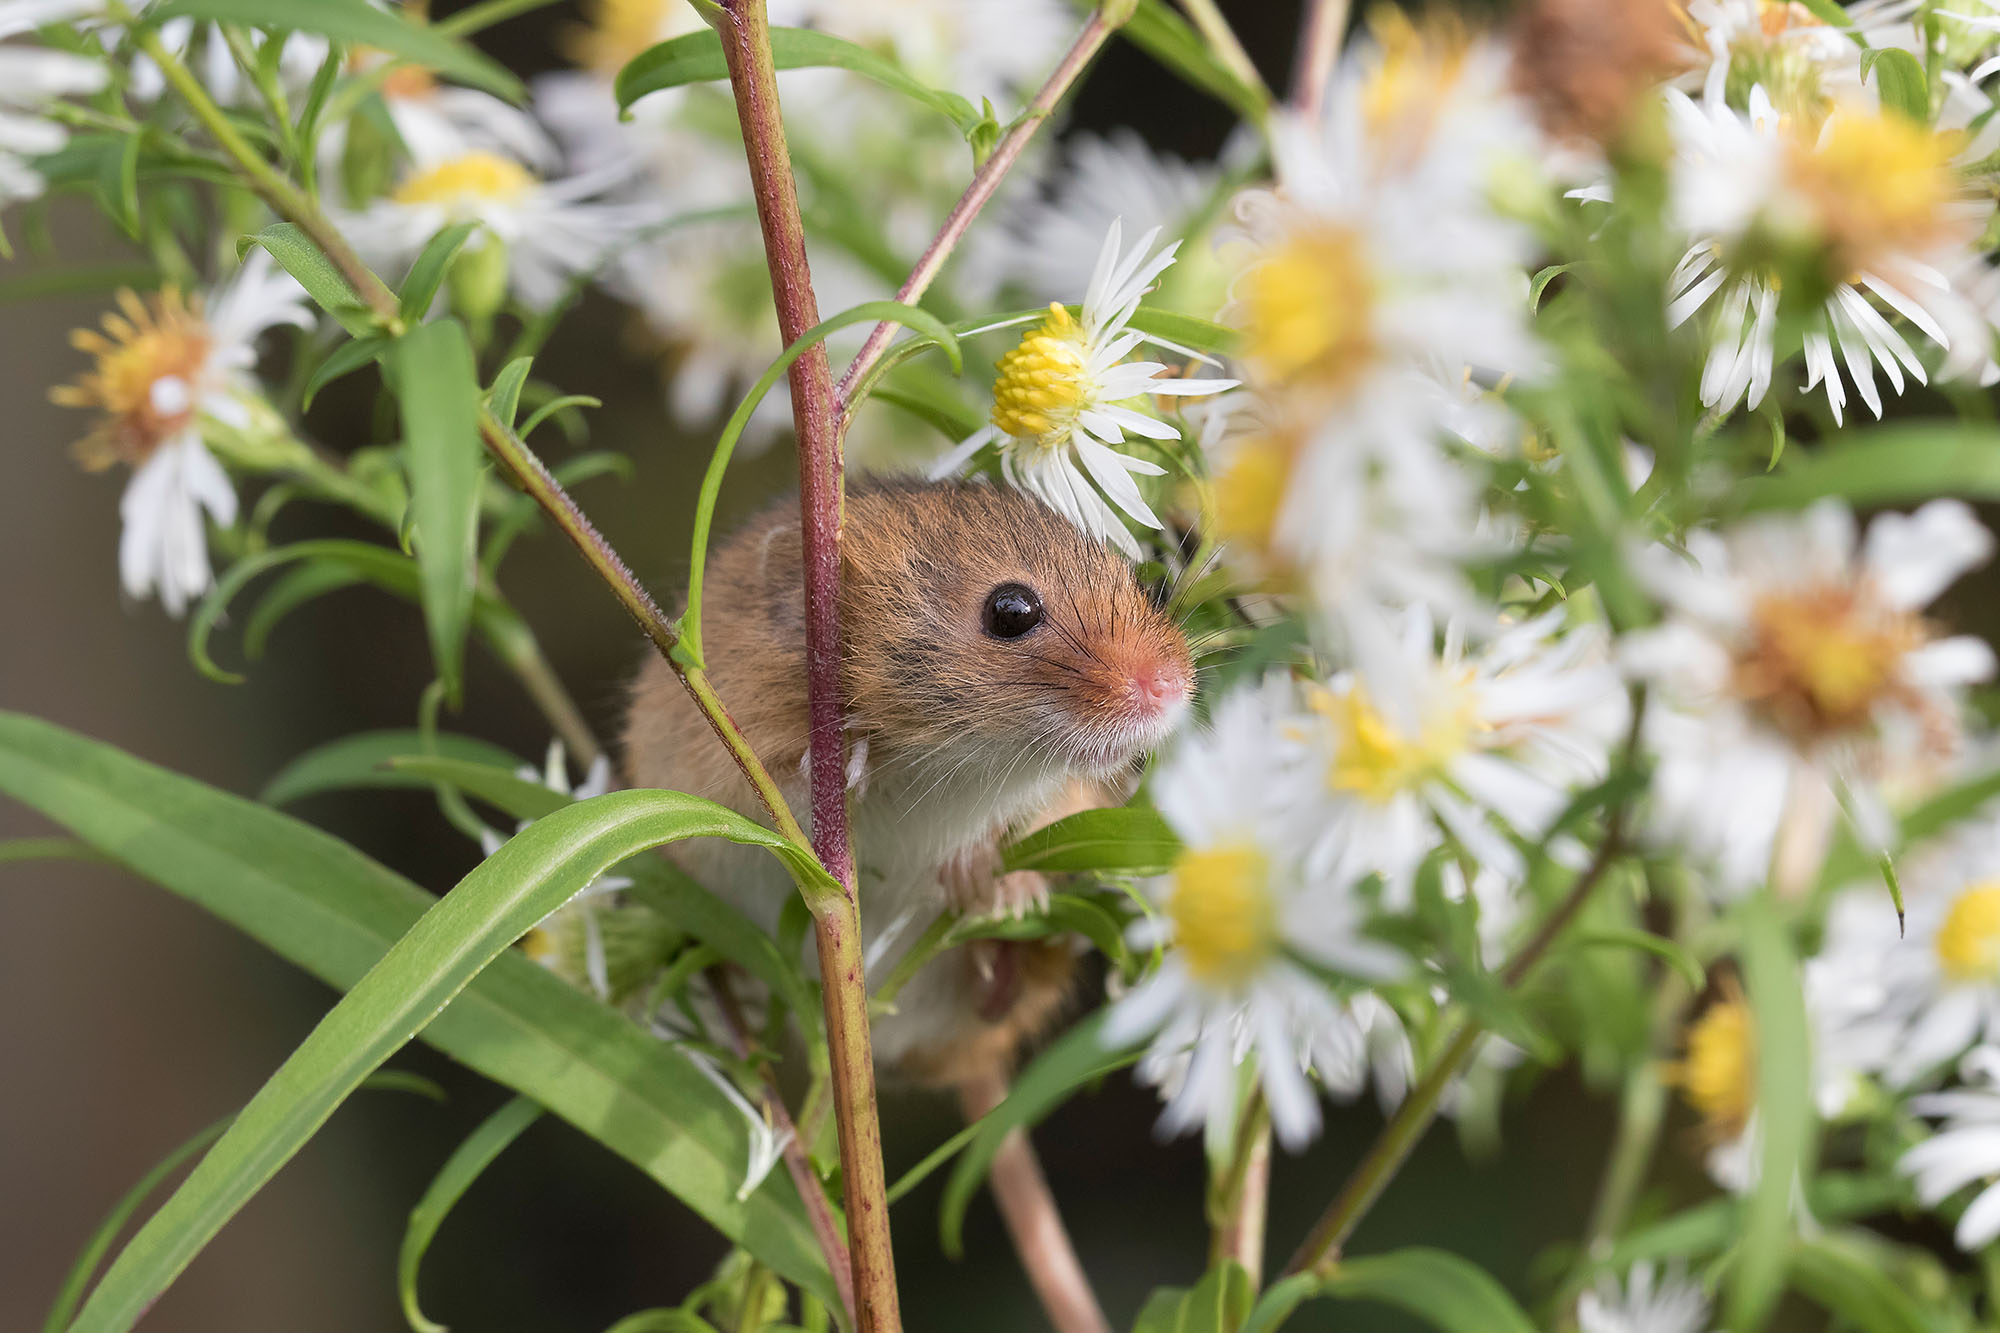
{"x": 978, "y": 619}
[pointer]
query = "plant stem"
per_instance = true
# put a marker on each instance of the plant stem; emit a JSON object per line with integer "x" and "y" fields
{"x": 746, "y": 45}
{"x": 1243, "y": 1196}
{"x": 825, "y": 1226}
{"x": 1222, "y": 40}
{"x": 1321, "y": 1248}
{"x": 984, "y": 182}
{"x": 1033, "y": 1221}
{"x": 1319, "y": 47}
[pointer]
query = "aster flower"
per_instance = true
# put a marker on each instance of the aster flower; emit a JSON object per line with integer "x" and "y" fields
{"x": 1873, "y": 195}
{"x": 1063, "y": 400}
{"x": 167, "y": 369}
{"x": 581, "y": 107}
{"x": 982, "y": 49}
{"x": 1422, "y": 740}
{"x": 440, "y": 122}
{"x": 1794, "y": 669}
{"x": 1648, "y": 1301}
{"x": 550, "y": 230}
{"x": 1246, "y": 931}
{"x": 31, "y": 79}
{"x": 1964, "y": 1151}
{"x": 766, "y": 1146}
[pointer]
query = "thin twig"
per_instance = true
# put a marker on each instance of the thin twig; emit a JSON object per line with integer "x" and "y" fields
{"x": 825, "y": 1226}
{"x": 1033, "y": 1221}
{"x": 984, "y": 182}
{"x": 746, "y": 45}
{"x": 1244, "y": 1195}
{"x": 1319, "y": 47}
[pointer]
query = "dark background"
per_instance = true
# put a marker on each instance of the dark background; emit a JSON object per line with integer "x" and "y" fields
{"x": 128, "y": 1019}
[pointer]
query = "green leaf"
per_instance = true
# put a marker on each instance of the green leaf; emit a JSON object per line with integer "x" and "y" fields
{"x": 1666, "y": 950}
{"x": 1162, "y": 1311}
{"x": 1166, "y": 36}
{"x": 1220, "y": 1302}
{"x": 465, "y": 1165}
{"x": 427, "y": 272}
{"x": 1899, "y": 463}
{"x": 663, "y": 1321}
{"x": 362, "y": 760}
{"x": 1899, "y": 81}
{"x": 323, "y": 282}
{"x": 362, "y": 23}
{"x": 1131, "y": 839}
{"x": 555, "y": 405}
{"x": 323, "y": 905}
{"x": 1442, "y": 1289}
{"x": 1845, "y": 1280}
{"x": 45, "y": 849}
{"x": 99, "y": 1244}
{"x": 1201, "y": 335}
{"x": 504, "y": 398}
{"x": 499, "y": 786}
{"x": 343, "y": 360}
{"x": 437, "y": 388}
{"x": 1078, "y": 1057}
{"x": 1784, "y": 1112}
{"x": 308, "y": 582}
{"x": 1068, "y": 912}
{"x": 697, "y": 58}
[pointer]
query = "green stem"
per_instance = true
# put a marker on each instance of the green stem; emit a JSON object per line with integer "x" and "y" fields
{"x": 1222, "y": 40}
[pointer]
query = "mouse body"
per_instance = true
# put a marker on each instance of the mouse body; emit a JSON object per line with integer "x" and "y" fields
{"x": 999, "y": 669}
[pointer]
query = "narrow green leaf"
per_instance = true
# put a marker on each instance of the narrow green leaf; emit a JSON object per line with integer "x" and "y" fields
{"x": 1443, "y": 1290}
{"x": 1078, "y": 1057}
{"x": 504, "y": 398}
{"x": 1068, "y": 913}
{"x": 1162, "y": 1311}
{"x": 465, "y": 1165}
{"x": 427, "y": 271}
{"x": 1845, "y": 1280}
{"x": 364, "y": 760}
{"x": 1900, "y": 81}
{"x": 1784, "y": 1112}
{"x": 1132, "y": 839}
{"x": 437, "y": 388}
{"x": 318, "y": 902}
{"x": 99, "y": 1243}
{"x": 1201, "y": 335}
{"x": 359, "y": 22}
{"x": 1220, "y": 1302}
{"x": 557, "y": 404}
{"x": 310, "y": 581}
{"x": 1898, "y": 463}
{"x": 1666, "y": 950}
{"x": 663, "y": 1320}
{"x": 343, "y": 360}
{"x": 45, "y": 849}
{"x": 1164, "y": 35}
{"x": 323, "y": 282}
{"x": 697, "y": 58}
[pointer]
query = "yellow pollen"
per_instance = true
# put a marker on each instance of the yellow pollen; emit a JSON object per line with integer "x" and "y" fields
{"x": 1718, "y": 1074}
{"x": 1250, "y": 492}
{"x": 614, "y": 31}
{"x": 1225, "y": 923}
{"x": 1879, "y": 184}
{"x": 1420, "y": 64}
{"x": 1820, "y": 659}
{"x": 475, "y": 177}
{"x": 1042, "y": 381}
{"x": 1307, "y": 308}
{"x": 1377, "y": 761}
{"x": 149, "y": 363}
{"x": 1968, "y": 943}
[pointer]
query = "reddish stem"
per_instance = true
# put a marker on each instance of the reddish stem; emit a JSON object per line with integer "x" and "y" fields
{"x": 1319, "y": 47}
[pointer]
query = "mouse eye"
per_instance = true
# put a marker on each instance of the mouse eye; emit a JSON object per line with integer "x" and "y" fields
{"x": 1012, "y": 609}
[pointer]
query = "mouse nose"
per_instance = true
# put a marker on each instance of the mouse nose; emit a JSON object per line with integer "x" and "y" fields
{"x": 1160, "y": 685}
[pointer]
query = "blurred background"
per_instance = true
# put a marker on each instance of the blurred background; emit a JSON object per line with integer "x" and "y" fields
{"x": 129, "y": 1020}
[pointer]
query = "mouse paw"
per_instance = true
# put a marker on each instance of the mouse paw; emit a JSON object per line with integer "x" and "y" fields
{"x": 975, "y": 885}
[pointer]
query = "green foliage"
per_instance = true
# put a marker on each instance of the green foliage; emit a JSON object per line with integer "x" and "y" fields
{"x": 466, "y": 1164}
{"x": 360, "y": 22}
{"x": 1443, "y": 1290}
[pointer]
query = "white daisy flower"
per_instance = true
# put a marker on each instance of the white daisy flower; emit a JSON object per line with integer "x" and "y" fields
{"x": 1936, "y": 987}
{"x": 196, "y": 43}
{"x": 1648, "y": 1301}
{"x": 439, "y": 122}
{"x": 1794, "y": 669}
{"x": 1870, "y": 192}
{"x": 980, "y": 49}
{"x": 582, "y": 108}
{"x": 551, "y": 230}
{"x": 1786, "y": 48}
{"x": 31, "y": 78}
{"x": 1061, "y": 403}
{"x": 1964, "y": 1151}
{"x": 1246, "y": 932}
{"x": 1423, "y": 740}
{"x": 166, "y": 369}
{"x": 546, "y": 942}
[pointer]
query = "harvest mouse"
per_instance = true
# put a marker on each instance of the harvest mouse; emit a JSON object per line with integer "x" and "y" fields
{"x": 1000, "y": 670}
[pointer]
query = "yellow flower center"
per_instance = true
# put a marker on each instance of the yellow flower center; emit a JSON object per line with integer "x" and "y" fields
{"x": 1378, "y": 761}
{"x": 539, "y": 944}
{"x": 475, "y": 178}
{"x": 1968, "y": 943}
{"x": 1225, "y": 923}
{"x": 1819, "y": 660}
{"x": 1307, "y": 306}
{"x": 149, "y": 363}
{"x": 1718, "y": 1074}
{"x": 1042, "y": 381}
{"x": 1878, "y": 184}
{"x": 1250, "y": 491}
{"x": 614, "y": 31}
{"x": 1419, "y": 65}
